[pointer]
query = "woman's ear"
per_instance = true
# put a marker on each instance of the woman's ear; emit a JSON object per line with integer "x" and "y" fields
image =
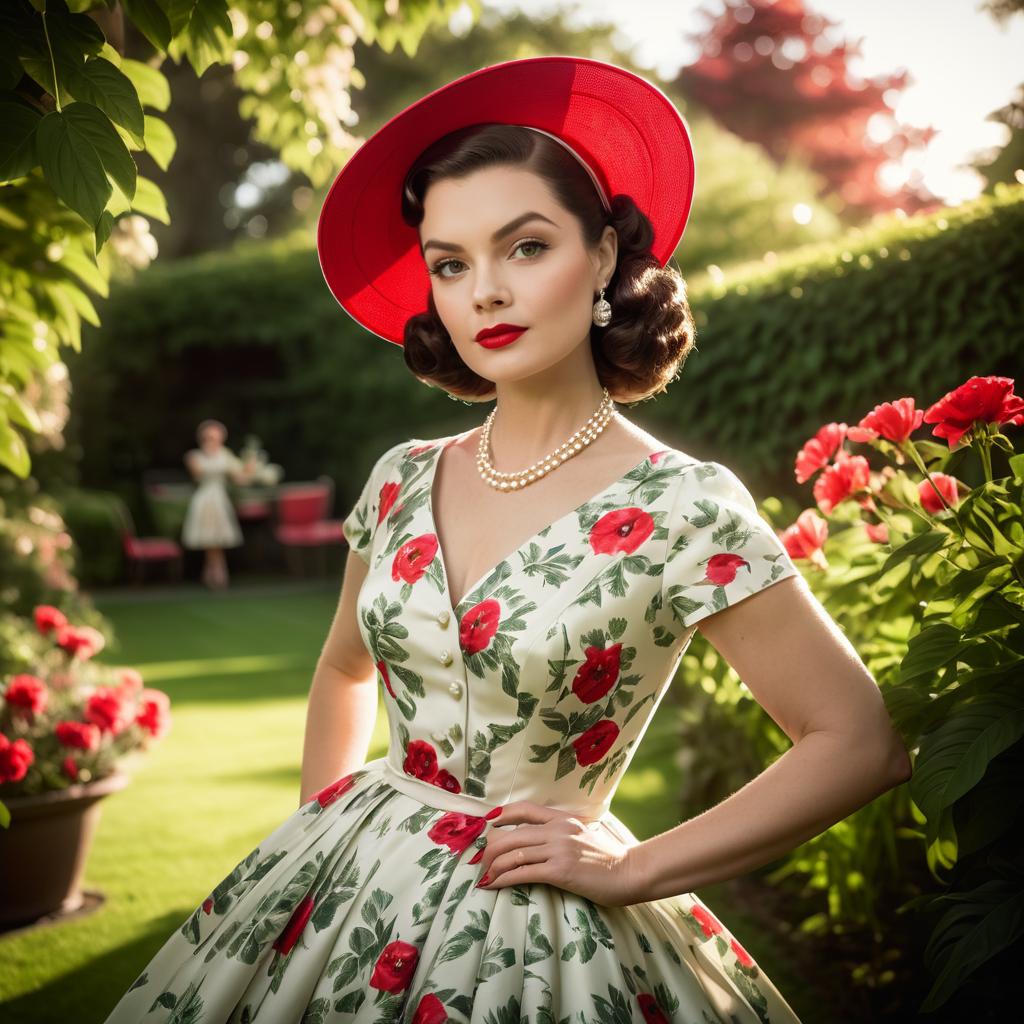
{"x": 607, "y": 253}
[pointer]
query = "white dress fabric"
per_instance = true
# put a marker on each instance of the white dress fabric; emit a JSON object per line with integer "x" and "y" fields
{"x": 210, "y": 520}
{"x": 362, "y": 905}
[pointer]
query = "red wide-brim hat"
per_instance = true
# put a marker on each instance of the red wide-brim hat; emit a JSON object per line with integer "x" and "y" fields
{"x": 624, "y": 130}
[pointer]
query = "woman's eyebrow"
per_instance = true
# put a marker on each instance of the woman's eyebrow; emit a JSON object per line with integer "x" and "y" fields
{"x": 497, "y": 236}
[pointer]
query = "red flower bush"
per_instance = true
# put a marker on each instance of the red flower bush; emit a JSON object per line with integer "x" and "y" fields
{"x": 70, "y": 719}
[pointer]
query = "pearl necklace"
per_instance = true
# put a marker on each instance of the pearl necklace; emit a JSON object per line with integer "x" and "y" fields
{"x": 587, "y": 434}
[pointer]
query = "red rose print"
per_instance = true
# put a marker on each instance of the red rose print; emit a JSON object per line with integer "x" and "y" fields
{"x": 742, "y": 955}
{"x": 382, "y": 668}
{"x": 109, "y": 708}
{"x": 48, "y": 618}
{"x": 721, "y": 568}
{"x": 69, "y": 768}
{"x": 456, "y": 830}
{"x": 709, "y": 924}
{"x": 15, "y": 759}
{"x": 420, "y": 760}
{"x": 818, "y": 450}
{"x": 330, "y": 793}
{"x": 623, "y": 529}
{"x": 990, "y": 399}
{"x": 895, "y": 421}
{"x": 446, "y": 780}
{"x": 597, "y": 675}
{"x": 386, "y": 499}
{"x": 650, "y": 1009}
{"x": 419, "y": 449}
{"x": 293, "y": 929}
{"x": 430, "y": 1010}
{"x": 845, "y": 478}
{"x": 78, "y": 735}
{"x": 592, "y": 745}
{"x": 207, "y": 904}
{"x": 478, "y": 625}
{"x": 413, "y": 558}
{"x": 395, "y": 966}
{"x": 655, "y": 457}
{"x": 27, "y": 692}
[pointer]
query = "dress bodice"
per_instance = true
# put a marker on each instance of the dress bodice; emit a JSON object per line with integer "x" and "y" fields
{"x": 214, "y": 467}
{"x": 541, "y": 682}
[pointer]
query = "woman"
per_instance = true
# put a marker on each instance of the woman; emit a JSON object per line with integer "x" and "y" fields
{"x": 210, "y": 521}
{"x": 523, "y": 592}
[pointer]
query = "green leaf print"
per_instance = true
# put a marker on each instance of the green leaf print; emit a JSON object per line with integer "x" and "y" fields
{"x": 538, "y": 948}
{"x": 188, "y": 1009}
{"x": 616, "y": 1009}
{"x": 495, "y": 959}
{"x": 316, "y": 1012}
{"x": 461, "y": 942}
{"x": 552, "y": 567}
{"x": 140, "y": 981}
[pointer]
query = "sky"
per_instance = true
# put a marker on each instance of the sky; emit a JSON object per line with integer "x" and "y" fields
{"x": 962, "y": 65}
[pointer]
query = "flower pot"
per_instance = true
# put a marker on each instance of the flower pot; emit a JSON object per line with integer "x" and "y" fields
{"x": 44, "y": 849}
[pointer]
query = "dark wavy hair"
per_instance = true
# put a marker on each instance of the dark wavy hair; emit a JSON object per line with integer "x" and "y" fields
{"x": 651, "y": 331}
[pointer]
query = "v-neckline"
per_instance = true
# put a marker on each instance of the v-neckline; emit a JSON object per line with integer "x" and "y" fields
{"x": 432, "y": 475}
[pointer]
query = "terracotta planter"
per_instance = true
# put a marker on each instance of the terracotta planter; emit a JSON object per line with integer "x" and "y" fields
{"x": 44, "y": 850}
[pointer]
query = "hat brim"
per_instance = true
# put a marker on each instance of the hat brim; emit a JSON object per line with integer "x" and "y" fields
{"x": 632, "y": 136}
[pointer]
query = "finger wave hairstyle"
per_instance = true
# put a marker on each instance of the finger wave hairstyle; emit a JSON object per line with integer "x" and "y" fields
{"x": 641, "y": 350}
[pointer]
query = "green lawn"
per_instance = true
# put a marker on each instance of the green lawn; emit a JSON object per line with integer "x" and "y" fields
{"x": 237, "y": 667}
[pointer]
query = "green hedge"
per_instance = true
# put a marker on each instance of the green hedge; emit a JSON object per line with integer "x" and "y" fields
{"x": 908, "y": 306}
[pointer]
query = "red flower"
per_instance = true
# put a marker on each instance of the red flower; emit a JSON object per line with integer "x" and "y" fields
{"x": 623, "y": 529}
{"x": 478, "y": 625}
{"x": 650, "y": 1009}
{"x": 419, "y": 449}
{"x": 420, "y": 760}
{"x": 593, "y": 744}
{"x": 989, "y": 399}
{"x": 395, "y": 966}
{"x": 330, "y": 793}
{"x": 597, "y": 675}
{"x": 430, "y": 1010}
{"x": 48, "y": 618}
{"x": 413, "y": 558}
{"x": 929, "y": 499}
{"x": 741, "y": 954}
{"x": 806, "y": 537}
{"x": 207, "y": 904}
{"x": 79, "y": 641}
{"x": 709, "y": 924}
{"x": 293, "y": 929}
{"x": 388, "y": 493}
{"x": 382, "y": 668}
{"x": 456, "y": 830}
{"x": 15, "y": 759}
{"x": 721, "y": 568}
{"x": 130, "y": 680}
{"x": 108, "y": 708}
{"x": 841, "y": 480}
{"x": 815, "y": 453}
{"x": 154, "y": 713}
{"x": 27, "y": 692}
{"x": 445, "y": 780}
{"x": 895, "y": 421}
{"x": 78, "y": 735}
{"x": 69, "y": 768}
{"x": 877, "y": 532}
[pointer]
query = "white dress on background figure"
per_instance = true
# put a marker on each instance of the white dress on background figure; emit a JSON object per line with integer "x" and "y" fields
{"x": 210, "y": 520}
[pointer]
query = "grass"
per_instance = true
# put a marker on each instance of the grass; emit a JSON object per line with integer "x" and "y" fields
{"x": 237, "y": 667}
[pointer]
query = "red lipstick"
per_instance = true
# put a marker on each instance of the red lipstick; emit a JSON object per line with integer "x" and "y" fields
{"x": 499, "y": 335}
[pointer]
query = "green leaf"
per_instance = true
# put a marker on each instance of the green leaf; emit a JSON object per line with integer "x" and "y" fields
{"x": 927, "y": 652}
{"x": 150, "y": 83}
{"x": 202, "y": 32}
{"x": 95, "y": 126}
{"x": 5, "y": 815}
{"x": 72, "y": 167}
{"x": 107, "y": 87}
{"x": 17, "y": 409}
{"x": 13, "y": 451}
{"x": 149, "y": 18}
{"x": 103, "y": 229}
{"x": 160, "y": 141}
{"x": 149, "y": 201}
{"x": 17, "y": 139}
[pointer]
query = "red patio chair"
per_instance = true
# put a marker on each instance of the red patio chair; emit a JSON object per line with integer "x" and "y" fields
{"x": 302, "y": 522}
{"x": 142, "y": 551}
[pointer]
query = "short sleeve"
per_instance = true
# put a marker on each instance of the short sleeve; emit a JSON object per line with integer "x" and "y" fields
{"x": 720, "y": 550}
{"x": 377, "y": 496}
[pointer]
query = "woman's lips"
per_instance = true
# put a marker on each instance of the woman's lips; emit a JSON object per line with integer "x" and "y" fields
{"x": 500, "y": 340}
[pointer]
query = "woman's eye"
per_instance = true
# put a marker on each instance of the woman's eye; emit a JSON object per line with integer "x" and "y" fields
{"x": 527, "y": 243}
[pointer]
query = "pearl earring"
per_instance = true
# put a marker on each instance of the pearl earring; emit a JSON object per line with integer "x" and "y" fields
{"x": 602, "y": 311}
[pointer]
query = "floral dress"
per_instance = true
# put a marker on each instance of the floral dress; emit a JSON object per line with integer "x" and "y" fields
{"x": 363, "y": 906}
{"x": 210, "y": 520}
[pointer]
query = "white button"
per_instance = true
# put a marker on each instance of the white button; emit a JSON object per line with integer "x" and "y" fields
{"x": 455, "y": 688}
{"x": 443, "y": 618}
{"x": 438, "y": 737}
{"x": 446, "y": 657}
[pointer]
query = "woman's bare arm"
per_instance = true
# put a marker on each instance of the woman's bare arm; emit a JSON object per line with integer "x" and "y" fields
{"x": 805, "y": 673}
{"x": 342, "y": 708}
